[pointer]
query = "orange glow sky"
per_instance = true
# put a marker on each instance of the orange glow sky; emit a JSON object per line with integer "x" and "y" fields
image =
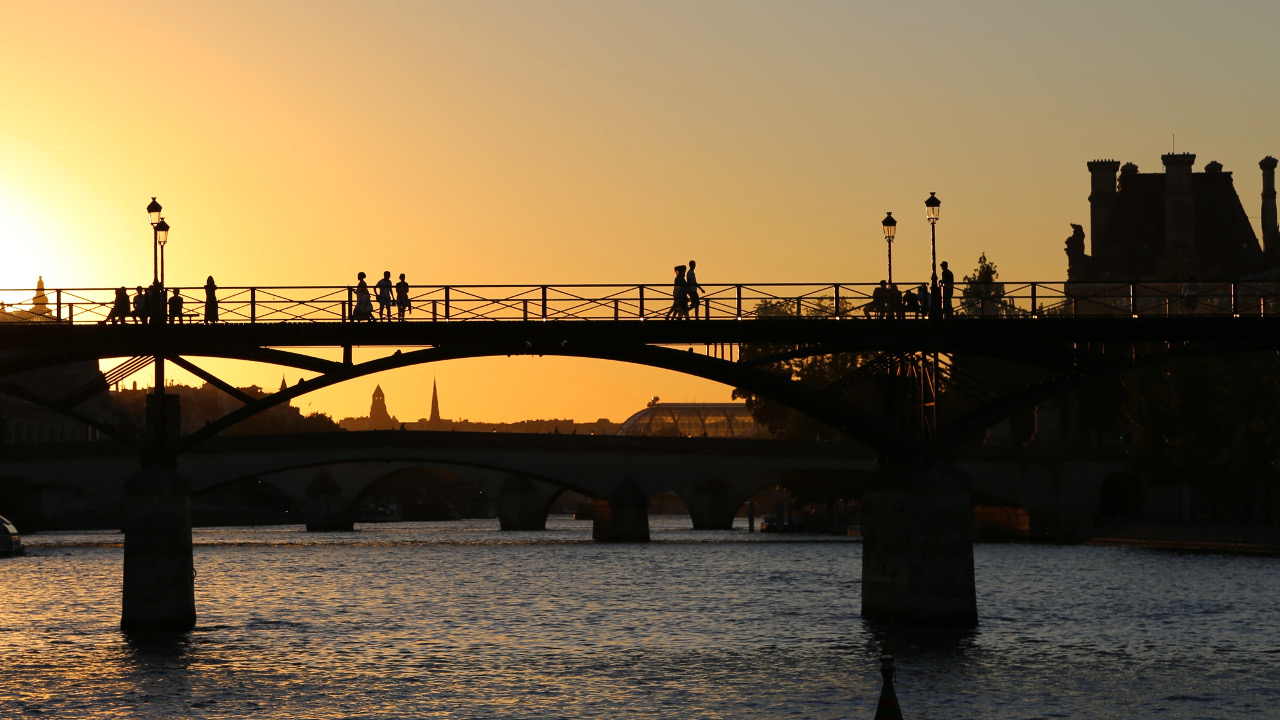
{"x": 556, "y": 142}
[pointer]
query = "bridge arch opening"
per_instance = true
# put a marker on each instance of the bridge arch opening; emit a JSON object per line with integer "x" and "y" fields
{"x": 422, "y": 493}
{"x": 243, "y": 501}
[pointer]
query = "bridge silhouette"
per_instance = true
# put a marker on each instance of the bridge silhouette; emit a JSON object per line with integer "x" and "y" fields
{"x": 1064, "y": 328}
{"x": 917, "y": 555}
{"x": 455, "y": 303}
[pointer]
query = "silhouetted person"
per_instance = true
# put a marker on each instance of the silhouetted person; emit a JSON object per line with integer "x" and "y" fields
{"x": 210, "y": 301}
{"x": 120, "y": 308}
{"x": 879, "y": 301}
{"x": 140, "y": 306}
{"x": 402, "y": 296}
{"x": 383, "y": 290}
{"x": 926, "y": 300}
{"x": 156, "y": 301}
{"x": 175, "y": 307}
{"x": 947, "y": 286}
{"x": 910, "y": 303}
{"x": 363, "y": 309}
{"x": 679, "y": 297}
{"x": 895, "y": 302}
{"x": 692, "y": 288}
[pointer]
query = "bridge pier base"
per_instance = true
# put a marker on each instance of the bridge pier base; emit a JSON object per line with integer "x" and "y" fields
{"x": 523, "y": 502}
{"x": 326, "y": 509}
{"x": 917, "y": 552}
{"x": 711, "y": 507}
{"x": 624, "y": 517}
{"x": 159, "y": 574}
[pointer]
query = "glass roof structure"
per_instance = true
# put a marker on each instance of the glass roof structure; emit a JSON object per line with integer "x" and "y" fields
{"x": 727, "y": 420}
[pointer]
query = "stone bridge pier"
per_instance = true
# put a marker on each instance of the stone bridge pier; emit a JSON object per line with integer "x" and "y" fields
{"x": 523, "y": 502}
{"x": 917, "y": 550}
{"x": 623, "y": 516}
{"x": 713, "y": 504}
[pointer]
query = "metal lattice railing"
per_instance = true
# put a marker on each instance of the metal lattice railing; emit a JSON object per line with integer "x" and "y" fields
{"x": 470, "y": 303}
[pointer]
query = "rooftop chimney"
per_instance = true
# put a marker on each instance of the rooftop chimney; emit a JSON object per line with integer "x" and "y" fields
{"x": 1102, "y": 200}
{"x": 1179, "y": 216}
{"x": 1270, "y": 233}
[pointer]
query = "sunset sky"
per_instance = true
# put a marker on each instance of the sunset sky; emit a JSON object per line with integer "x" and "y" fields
{"x": 296, "y": 143}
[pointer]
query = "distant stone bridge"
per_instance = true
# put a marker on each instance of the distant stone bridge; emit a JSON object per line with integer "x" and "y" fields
{"x": 326, "y": 475}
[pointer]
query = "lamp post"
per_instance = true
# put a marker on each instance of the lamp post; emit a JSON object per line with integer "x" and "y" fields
{"x": 890, "y": 229}
{"x": 931, "y": 209}
{"x": 153, "y": 214}
{"x": 162, "y": 237}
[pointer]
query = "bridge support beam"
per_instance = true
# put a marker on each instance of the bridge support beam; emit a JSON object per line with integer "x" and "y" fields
{"x": 712, "y": 506}
{"x": 917, "y": 552}
{"x": 523, "y": 502}
{"x": 159, "y": 574}
{"x": 623, "y": 517}
{"x": 326, "y": 508}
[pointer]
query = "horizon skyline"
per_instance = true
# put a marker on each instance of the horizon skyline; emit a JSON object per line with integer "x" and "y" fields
{"x": 296, "y": 143}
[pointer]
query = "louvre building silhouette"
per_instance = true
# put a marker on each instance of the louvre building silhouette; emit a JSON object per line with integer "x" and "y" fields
{"x": 1174, "y": 225}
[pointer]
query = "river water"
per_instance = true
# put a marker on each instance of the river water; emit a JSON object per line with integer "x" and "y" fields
{"x": 460, "y": 620}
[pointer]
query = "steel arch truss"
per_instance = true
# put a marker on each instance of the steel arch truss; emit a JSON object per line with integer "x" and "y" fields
{"x": 1064, "y": 365}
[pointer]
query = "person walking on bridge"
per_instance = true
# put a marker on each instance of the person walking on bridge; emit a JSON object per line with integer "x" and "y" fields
{"x": 384, "y": 296}
{"x": 679, "y": 297}
{"x": 402, "y": 297}
{"x": 692, "y": 288}
{"x": 363, "y": 309}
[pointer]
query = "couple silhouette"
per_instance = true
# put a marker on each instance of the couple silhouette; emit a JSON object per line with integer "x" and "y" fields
{"x": 685, "y": 293}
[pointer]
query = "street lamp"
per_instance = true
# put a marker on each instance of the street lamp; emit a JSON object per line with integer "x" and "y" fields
{"x": 153, "y": 214}
{"x": 890, "y": 229}
{"x": 932, "y": 206}
{"x": 162, "y": 237}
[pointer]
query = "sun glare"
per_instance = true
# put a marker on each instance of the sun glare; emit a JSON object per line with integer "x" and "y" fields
{"x": 33, "y": 246}
{"x": 20, "y": 238}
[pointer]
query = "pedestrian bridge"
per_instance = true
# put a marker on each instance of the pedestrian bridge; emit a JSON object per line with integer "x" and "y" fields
{"x": 1069, "y": 330}
{"x": 647, "y": 301}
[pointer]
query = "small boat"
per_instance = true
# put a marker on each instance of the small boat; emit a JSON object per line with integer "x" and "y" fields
{"x": 10, "y": 540}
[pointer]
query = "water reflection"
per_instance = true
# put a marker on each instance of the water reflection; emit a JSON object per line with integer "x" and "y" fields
{"x": 459, "y": 619}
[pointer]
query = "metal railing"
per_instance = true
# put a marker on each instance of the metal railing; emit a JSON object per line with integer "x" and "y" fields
{"x": 603, "y": 302}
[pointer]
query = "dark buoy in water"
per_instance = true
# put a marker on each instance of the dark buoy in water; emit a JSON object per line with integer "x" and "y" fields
{"x": 887, "y": 708}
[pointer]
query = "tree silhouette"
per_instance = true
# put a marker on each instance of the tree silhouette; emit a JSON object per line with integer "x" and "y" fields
{"x": 981, "y": 293}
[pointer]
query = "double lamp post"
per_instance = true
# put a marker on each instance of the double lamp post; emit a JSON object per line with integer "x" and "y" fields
{"x": 160, "y": 236}
{"x": 157, "y": 410}
{"x": 890, "y": 226}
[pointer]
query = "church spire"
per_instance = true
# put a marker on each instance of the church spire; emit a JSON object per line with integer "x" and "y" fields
{"x": 435, "y": 403}
{"x": 379, "y": 417}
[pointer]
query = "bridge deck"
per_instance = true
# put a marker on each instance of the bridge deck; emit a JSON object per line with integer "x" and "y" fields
{"x": 622, "y": 302}
{"x": 561, "y": 337}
